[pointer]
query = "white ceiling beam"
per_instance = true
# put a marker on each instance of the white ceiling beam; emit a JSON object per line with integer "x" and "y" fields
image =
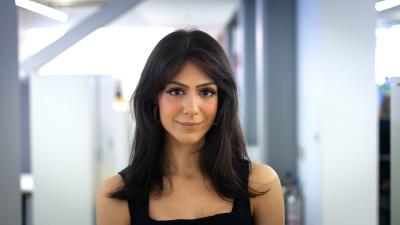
{"x": 104, "y": 15}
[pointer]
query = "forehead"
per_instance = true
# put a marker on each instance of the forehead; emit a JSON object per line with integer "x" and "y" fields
{"x": 191, "y": 73}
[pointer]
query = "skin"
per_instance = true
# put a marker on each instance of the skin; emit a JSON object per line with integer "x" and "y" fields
{"x": 191, "y": 97}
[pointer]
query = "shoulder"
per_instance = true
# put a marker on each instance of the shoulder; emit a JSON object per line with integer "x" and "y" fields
{"x": 267, "y": 208}
{"x": 110, "y": 210}
{"x": 111, "y": 183}
{"x": 261, "y": 175}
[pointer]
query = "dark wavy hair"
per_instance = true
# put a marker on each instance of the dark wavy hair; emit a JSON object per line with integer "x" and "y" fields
{"x": 224, "y": 148}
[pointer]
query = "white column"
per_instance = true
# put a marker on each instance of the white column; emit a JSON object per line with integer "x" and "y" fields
{"x": 337, "y": 111}
{"x": 72, "y": 145}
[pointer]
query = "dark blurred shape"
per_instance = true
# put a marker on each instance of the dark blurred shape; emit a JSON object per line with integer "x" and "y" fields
{"x": 384, "y": 165}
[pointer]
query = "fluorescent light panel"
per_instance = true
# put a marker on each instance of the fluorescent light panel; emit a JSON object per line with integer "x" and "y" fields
{"x": 387, "y": 4}
{"x": 42, "y": 9}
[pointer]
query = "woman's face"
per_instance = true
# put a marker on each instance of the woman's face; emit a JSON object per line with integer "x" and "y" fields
{"x": 188, "y": 105}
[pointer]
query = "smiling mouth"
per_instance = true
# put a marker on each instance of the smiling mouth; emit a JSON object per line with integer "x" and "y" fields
{"x": 189, "y": 125}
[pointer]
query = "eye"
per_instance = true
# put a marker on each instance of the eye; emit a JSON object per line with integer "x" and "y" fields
{"x": 175, "y": 91}
{"x": 207, "y": 92}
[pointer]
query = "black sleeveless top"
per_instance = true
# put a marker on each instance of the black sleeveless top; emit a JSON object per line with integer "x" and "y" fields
{"x": 240, "y": 214}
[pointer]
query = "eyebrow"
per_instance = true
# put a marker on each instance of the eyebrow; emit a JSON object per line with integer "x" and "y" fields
{"x": 184, "y": 85}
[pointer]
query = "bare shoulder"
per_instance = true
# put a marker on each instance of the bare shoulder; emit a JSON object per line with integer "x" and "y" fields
{"x": 267, "y": 208}
{"x": 110, "y": 210}
{"x": 261, "y": 176}
{"x": 110, "y": 184}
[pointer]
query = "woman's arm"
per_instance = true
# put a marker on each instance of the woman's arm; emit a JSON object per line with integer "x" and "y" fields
{"x": 110, "y": 211}
{"x": 267, "y": 209}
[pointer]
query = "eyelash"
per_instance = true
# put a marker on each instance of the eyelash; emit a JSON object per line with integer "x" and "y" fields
{"x": 173, "y": 91}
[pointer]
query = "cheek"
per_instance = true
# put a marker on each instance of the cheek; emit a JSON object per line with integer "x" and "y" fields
{"x": 210, "y": 108}
{"x": 167, "y": 106}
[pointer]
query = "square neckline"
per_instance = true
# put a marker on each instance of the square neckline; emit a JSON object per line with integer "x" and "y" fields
{"x": 200, "y": 219}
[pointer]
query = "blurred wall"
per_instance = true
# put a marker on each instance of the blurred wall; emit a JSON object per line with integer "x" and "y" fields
{"x": 275, "y": 83}
{"x": 10, "y": 136}
{"x": 337, "y": 118}
{"x": 395, "y": 150}
{"x": 72, "y": 136}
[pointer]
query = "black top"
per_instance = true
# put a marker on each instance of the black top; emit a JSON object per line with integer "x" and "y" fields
{"x": 240, "y": 214}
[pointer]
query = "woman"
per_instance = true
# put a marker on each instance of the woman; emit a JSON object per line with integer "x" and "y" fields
{"x": 189, "y": 163}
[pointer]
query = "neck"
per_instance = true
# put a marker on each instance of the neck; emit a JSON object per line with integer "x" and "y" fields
{"x": 182, "y": 159}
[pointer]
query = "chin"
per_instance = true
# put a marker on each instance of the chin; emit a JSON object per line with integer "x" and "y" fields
{"x": 189, "y": 140}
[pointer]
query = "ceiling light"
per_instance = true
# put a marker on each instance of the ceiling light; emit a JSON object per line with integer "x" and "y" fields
{"x": 42, "y": 9}
{"x": 386, "y": 4}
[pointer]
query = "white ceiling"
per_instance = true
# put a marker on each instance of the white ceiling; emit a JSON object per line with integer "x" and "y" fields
{"x": 180, "y": 13}
{"x": 389, "y": 17}
{"x": 57, "y": 3}
{"x": 206, "y": 14}
{"x": 175, "y": 13}
{"x": 211, "y": 16}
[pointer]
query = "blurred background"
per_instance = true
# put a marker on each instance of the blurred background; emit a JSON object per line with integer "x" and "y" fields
{"x": 319, "y": 84}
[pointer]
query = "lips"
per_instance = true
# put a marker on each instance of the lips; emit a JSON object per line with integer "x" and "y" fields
{"x": 190, "y": 125}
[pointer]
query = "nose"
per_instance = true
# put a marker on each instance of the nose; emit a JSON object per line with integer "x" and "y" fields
{"x": 190, "y": 106}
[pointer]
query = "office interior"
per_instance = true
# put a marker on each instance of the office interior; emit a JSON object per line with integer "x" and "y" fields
{"x": 319, "y": 88}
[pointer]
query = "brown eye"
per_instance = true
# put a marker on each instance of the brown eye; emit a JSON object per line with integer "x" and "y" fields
{"x": 207, "y": 92}
{"x": 175, "y": 91}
